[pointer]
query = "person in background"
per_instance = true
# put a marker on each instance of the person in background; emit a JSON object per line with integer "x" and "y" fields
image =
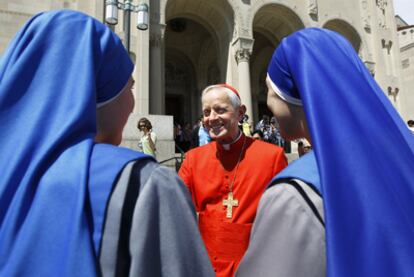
{"x": 264, "y": 126}
{"x": 263, "y": 123}
{"x": 273, "y": 133}
{"x": 246, "y": 128}
{"x": 303, "y": 146}
{"x": 342, "y": 209}
{"x": 194, "y": 134}
{"x": 275, "y": 129}
{"x": 410, "y": 124}
{"x": 203, "y": 135}
{"x": 257, "y": 134}
{"x": 149, "y": 138}
{"x": 187, "y": 132}
{"x": 227, "y": 177}
{"x": 73, "y": 203}
{"x": 199, "y": 136}
{"x": 178, "y": 137}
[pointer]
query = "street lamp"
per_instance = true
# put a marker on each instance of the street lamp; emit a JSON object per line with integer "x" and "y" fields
{"x": 111, "y": 16}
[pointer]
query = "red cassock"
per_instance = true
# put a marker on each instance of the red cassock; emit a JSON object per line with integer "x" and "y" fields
{"x": 208, "y": 172}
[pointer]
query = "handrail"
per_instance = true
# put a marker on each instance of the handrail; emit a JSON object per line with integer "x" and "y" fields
{"x": 178, "y": 160}
{"x": 179, "y": 149}
{"x": 167, "y": 160}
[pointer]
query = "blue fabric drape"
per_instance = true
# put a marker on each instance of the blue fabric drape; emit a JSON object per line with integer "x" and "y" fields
{"x": 106, "y": 164}
{"x": 55, "y": 72}
{"x": 364, "y": 154}
{"x": 304, "y": 169}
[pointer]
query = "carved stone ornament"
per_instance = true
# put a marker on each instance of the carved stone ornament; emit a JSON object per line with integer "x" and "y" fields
{"x": 313, "y": 7}
{"x": 382, "y": 4}
{"x": 366, "y": 17}
{"x": 386, "y": 45}
{"x": 366, "y": 22}
{"x": 405, "y": 63}
{"x": 371, "y": 67}
{"x": 242, "y": 55}
{"x": 393, "y": 93}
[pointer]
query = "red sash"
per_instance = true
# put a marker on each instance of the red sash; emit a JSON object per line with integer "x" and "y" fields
{"x": 226, "y": 242}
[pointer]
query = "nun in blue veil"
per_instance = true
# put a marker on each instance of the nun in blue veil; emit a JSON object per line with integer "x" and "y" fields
{"x": 72, "y": 203}
{"x": 346, "y": 208}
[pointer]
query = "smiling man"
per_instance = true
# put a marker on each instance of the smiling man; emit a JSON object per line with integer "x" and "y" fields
{"x": 227, "y": 177}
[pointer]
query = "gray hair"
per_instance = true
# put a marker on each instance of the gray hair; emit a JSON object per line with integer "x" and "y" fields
{"x": 234, "y": 98}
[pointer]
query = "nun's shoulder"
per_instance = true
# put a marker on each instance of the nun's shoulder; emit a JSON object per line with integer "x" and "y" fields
{"x": 151, "y": 175}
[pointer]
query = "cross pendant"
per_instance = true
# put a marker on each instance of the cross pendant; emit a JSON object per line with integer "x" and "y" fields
{"x": 229, "y": 203}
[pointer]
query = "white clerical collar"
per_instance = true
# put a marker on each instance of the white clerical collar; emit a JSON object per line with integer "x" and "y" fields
{"x": 228, "y": 146}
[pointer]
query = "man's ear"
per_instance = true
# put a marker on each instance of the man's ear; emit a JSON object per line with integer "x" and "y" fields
{"x": 242, "y": 111}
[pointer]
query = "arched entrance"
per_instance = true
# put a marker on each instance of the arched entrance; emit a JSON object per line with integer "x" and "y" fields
{"x": 184, "y": 40}
{"x": 179, "y": 82}
{"x": 271, "y": 23}
{"x": 346, "y": 30}
{"x": 197, "y": 37}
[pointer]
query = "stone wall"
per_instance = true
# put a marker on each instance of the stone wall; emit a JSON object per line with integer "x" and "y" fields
{"x": 406, "y": 40}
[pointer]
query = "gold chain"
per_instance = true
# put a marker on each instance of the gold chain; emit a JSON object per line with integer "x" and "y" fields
{"x": 237, "y": 166}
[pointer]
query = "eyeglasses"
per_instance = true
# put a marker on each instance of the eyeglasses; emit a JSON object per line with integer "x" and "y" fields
{"x": 141, "y": 126}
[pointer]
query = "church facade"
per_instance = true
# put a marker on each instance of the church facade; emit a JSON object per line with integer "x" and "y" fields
{"x": 191, "y": 44}
{"x": 406, "y": 40}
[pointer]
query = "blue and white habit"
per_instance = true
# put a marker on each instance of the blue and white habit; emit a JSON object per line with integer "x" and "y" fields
{"x": 68, "y": 206}
{"x": 362, "y": 162}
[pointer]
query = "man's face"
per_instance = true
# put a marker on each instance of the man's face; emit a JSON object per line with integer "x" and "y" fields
{"x": 220, "y": 117}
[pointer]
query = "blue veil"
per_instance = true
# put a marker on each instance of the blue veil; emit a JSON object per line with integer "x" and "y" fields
{"x": 52, "y": 77}
{"x": 364, "y": 153}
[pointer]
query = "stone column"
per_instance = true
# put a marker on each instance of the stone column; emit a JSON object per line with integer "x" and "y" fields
{"x": 141, "y": 73}
{"x": 157, "y": 78}
{"x": 242, "y": 56}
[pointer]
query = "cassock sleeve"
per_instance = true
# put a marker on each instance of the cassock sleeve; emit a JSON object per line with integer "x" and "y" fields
{"x": 162, "y": 238}
{"x": 287, "y": 238}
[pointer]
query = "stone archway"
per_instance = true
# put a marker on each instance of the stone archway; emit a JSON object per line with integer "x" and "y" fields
{"x": 200, "y": 33}
{"x": 345, "y": 29}
{"x": 271, "y": 23}
{"x": 183, "y": 40}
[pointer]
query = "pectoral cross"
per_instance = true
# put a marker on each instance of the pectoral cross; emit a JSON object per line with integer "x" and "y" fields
{"x": 230, "y": 203}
